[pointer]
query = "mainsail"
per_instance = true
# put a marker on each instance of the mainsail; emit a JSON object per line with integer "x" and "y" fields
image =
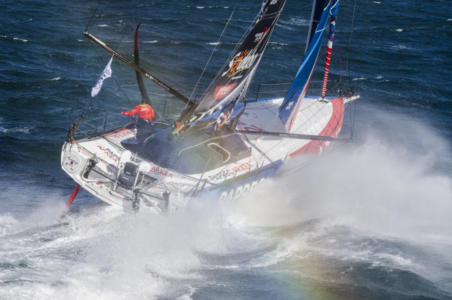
{"x": 297, "y": 91}
{"x": 232, "y": 82}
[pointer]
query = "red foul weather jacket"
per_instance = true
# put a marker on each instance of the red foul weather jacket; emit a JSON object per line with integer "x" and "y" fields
{"x": 143, "y": 110}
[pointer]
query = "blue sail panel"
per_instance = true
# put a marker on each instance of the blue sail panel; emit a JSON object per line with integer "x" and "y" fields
{"x": 296, "y": 93}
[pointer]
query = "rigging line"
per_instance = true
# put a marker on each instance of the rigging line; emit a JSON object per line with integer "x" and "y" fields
{"x": 229, "y": 58}
{"x": 125, "y": 26}
{"x": 347, "y": 65}
{"x": 238, "y": 44}
{"x": 360, "y": 65}
{"x": 101, "y": 13}
{"x": 300, "y": 126}
{"x": 92, "y": 17}
{"x": 213, "y": 51}
{"x": 114, "y": 78}
{"x": 362, "y": 42}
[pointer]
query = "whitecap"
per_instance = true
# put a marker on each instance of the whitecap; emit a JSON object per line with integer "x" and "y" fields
{"x": 151, "y": 42}
{"x": 200, "y": 7}
{"x": 398, "y": 30}
{"x": 284, "y": 27}
{"x": 359, "y": 79}
{"x": 449, "y": 20}
{"x": 379, "y": 77}
{"x": 102, "y": 25}
{"x": 19, "y": 39}
{"x": 297, "y": 21}
{"x": 25, "y": 130}
{"x": 276, "y": 43}
{"x": 400, "y": 47}
{"x": 55, "y": 79}
{"x": 377, "y": 2}
{"x": 214, "y": 44}
{"x": 177, "y": 43}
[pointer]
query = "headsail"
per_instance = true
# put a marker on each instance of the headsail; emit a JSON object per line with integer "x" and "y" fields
{"x": 232, "y": 82}
{"x": 297, "y": 91}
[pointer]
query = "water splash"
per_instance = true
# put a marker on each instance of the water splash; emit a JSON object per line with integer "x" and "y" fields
{"x": 390, "y": 184}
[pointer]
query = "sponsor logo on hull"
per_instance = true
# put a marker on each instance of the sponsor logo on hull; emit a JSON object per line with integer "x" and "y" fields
{"x": 162, "y": 171}
{"x": 110, "y": 154}
{"x": 240, "y": 191}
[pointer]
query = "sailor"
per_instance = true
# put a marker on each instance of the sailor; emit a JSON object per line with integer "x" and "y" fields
{"x": 222, "y": 118}
{"x": 146, "y": 116}
{"x": 144, "y": 111}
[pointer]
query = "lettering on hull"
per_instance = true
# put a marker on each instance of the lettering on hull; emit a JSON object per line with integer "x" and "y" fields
{"x": 238, "y": 192}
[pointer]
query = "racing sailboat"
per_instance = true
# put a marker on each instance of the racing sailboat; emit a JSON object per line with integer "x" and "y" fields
{"x": 219, "y": 147}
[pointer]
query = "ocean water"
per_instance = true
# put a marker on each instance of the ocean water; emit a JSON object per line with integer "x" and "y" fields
{"x": 372, "y": 220}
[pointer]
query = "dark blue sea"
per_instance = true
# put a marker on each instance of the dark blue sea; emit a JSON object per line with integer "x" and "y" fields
{"x": 371, "y": 220}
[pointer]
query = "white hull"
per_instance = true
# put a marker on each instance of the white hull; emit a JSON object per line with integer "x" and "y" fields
{"x": 163, "y": 191}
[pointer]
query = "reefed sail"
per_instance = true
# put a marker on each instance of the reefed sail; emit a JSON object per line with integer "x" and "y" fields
{"x": 297, "y": 91}
{"x": 232, "y": 82}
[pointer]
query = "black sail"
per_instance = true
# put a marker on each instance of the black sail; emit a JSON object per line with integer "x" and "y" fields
{"x": 136, "y": 54}
{"x": 232, "y": 82}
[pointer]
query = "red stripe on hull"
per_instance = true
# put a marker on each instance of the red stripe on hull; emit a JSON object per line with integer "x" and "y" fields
{"x": 331, "y": 129}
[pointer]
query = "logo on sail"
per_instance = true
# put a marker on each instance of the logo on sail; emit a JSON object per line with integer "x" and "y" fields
{"x": 259, "y": 36}
{"x": 222, "y": 91}
{"x": 241, "y": 61}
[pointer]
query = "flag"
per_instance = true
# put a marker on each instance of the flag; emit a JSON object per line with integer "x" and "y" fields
{"x": 106, "y": 73}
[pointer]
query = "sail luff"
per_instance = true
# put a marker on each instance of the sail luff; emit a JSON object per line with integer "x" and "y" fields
{"x": 140, "y": 69}
{"x": 297, "y": 91}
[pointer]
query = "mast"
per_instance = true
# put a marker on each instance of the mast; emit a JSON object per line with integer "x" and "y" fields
{"x": 334, "y": 9}
{"x": 139, "y": 69}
